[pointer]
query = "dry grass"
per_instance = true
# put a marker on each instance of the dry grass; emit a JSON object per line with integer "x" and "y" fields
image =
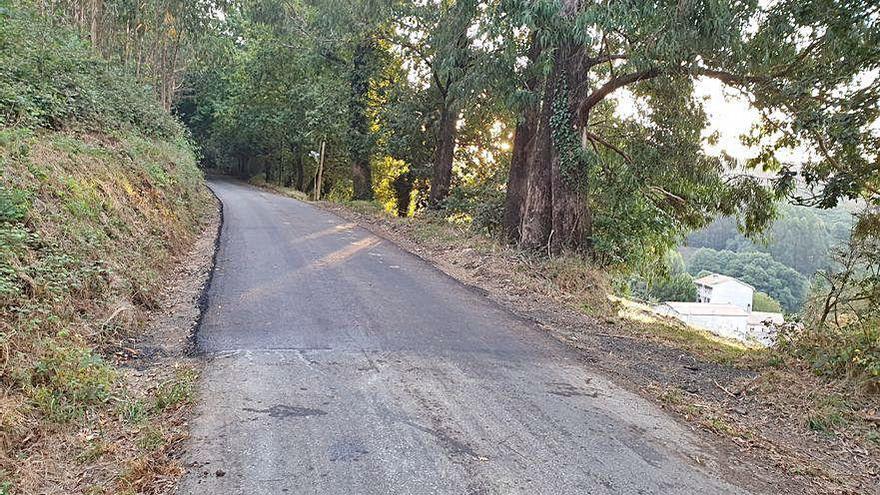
{"x": 88, "y": 225}
{"x": 284, "y": 191}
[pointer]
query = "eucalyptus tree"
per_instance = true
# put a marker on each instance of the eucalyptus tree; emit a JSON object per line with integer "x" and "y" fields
{"x": 264, "y": 93}
{"x": 155, "y": 38}
{"x": 438, "y": 37}
{"x": 585, "y": 177}
{"x": 348, "y": 35}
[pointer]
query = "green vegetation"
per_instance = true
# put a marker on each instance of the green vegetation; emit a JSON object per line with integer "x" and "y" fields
{"x": 801, "y": 238}
{"x": 50, "y": 78}
{"x": 100, "y": 188}
{"x": 763, "y": 302}
{"x": 178, "y": 390}
{"x": 666, "y": 282}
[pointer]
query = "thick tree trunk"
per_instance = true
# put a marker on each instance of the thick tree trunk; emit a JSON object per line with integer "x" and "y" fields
{"x": 443, "y": 156}
{"x": 545, "y": 207}
{"x": 523, "y": 140}
{"x": 536, "y": 225}
{"x": 361, "y": 146}
{"x": 518, "y": 175}
{"x": 403, "y": 186}
{"x": 571, "y": 218}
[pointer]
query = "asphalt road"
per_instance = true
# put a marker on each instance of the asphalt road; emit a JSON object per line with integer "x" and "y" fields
{"x": 339, "y": 363}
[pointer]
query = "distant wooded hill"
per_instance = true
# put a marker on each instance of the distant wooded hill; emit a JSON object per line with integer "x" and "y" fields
{"x": 781, "y": 262}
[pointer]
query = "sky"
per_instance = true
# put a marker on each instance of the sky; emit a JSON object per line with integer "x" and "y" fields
{"x": 730, "y": 115}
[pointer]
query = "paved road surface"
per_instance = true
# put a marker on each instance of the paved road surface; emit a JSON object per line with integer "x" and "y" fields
{"x": 338, "y": 363}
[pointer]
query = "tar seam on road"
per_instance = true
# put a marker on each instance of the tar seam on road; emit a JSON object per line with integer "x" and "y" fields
{"x": 193, "y": 345}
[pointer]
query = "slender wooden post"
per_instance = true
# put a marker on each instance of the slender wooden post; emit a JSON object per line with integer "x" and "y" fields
{"x": 320, "y": 173}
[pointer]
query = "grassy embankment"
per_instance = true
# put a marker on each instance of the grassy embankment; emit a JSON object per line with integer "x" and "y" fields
{"x": 99, "y": 191}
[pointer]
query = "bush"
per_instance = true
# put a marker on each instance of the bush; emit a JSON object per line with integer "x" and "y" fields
{"x": 763, "y": 302}
{"x": 657, "y": 282}
{"x": 14, "y": 205}
{"x": 482, "y": 203}
{"x": 50, "y": 78}
{"x": 68, "y": 379}
{"x": 852, "y": 350}
{"x": 842, "y": 333}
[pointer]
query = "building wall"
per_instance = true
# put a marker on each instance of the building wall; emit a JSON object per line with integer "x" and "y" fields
{"x": 726, "y": 326}
{"x": 732, "y": 293}
{"x": 704, "y": 293}
{"x": 730, "y": 326}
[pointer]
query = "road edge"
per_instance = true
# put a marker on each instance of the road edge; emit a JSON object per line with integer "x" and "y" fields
{"x": 203, "y": 300}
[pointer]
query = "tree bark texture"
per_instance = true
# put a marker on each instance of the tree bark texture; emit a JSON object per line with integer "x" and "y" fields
{"x": 443, "y": 156}
{"x": 523, "y": 140}
{"x": 545, "y": 206}
{"x": 517, "y": 175}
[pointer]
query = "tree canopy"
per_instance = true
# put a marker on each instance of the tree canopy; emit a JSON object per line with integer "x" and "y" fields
{"x": 511, "y": 112}
{"x": 525, "y": 98}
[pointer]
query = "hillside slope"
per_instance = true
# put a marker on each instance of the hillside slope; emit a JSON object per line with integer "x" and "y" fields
{"x": 99, "y": 191}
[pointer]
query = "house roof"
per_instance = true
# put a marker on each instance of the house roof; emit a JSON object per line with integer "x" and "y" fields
{"x": 706, "y": 309}
{"x": 759, "y": 317}
{"x": 717, "y": 279}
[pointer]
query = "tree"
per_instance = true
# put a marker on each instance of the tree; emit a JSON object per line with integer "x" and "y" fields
{"x": 289, "y": 77}
{"x": 436, "y": 36}
{"x": 349, "y": 35}
{"x": 419, "y": 83}
{"x": 666, "y": 282}
{"x": 800, "y": 238}
{"x": 360, "y": 140}
{"x": 850, "y": 288}
{"x": 571, "y": 150}
{"x": 154, "y": 39}
{"x": 763, "y": 302}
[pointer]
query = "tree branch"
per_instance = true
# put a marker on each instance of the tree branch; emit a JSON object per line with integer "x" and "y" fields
{"x": 613, "y": 85}
{"x": 606, "y": 58}
{"x": 594, "y": 138}
{"x": 729, "y": 78}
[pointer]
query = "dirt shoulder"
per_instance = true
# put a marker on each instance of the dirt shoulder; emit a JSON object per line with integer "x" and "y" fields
{"x": 163, "y": 364}
{"x": 781, "y": 428}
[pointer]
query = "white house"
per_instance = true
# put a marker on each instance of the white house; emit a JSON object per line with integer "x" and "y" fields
{"x": 721, "y": 289}
{"x": 726, "y": 320}
{"x": 724, "y": 307}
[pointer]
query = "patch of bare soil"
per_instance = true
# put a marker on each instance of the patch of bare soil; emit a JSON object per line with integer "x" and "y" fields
{"x": 163, "y": 356}
{"x": 172, "y": 325}
{"x": 780, "y": 428}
